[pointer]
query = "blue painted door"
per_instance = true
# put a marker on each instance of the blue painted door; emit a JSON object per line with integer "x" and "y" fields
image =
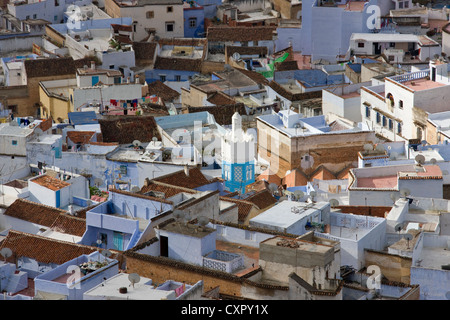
{"x": 94, "y": 80}
{"x": 118, "y": 240}
{"x": 58, "y": 198}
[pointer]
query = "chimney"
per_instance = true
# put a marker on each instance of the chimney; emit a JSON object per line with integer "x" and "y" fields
{"x": 93, "y": 65}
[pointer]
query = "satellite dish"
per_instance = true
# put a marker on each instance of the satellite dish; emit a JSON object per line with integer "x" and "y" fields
{"x": 394, "y": 197}
{"x": 154, "y": 139}
{"x": 420, "y": 159}
{"x": 313, "y": 194}
{"x": 136, "y": 143}
{"x": 433, "y": 161}
{"x": 38, "y": 131}
{"x": 379, "y": 148}
{"x": 106, "y": 253}
{"x": 236, "y": 56}
{"x": 134, "y": 278}
{"x": 444, "y": 172}
{"x": 408, "y": 236}
{"x": 273, "y": 187}
{"x": 203, "y": 221}
{"x": 368, "y": 147}
{"x": 6, "y": 253}
{"x": 393, "y": 155}
{"x": 135, "y": 189}
{"x": 298, "y": 194}
{"x": 398, "y": 227}
{"x": 334, "y": 203}
{"x": 90, "y": 14}
{"x": 405, "y": 192}
{"x": 283, "y": 198}
{"x": 424, "y": 142}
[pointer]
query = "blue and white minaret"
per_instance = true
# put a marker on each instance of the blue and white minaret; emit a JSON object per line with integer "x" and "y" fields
{"x": 238, "y": 157}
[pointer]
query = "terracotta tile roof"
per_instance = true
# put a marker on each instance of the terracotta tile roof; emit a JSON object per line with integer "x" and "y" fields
{"x": 159, "y": 89}
{"x": 56, "y": 219}
{"x": 343, "y": 174}
{"x": 50, "y": 182}
{"x": 220, "y": 98}
{"x": 188, "y": 42}
{"x": 81, "y": 137}
{"x": 255, "y": 76}
{"x": 244, "y": 207}
{"x": 322, "y": 173}
{"x": 225, "y": 33}
{"x": 286, "y": 65}
{"x": 293, "y": 96}
{"x": 121, "y": 27}
{"x": 144, "y": 51}
{"x": 262, "y": 199}
{"x": 257, "y": 186}
{"x": 222, "y": 113}
{"x": 181, "y": 64}
{"x": 140, "y": 195}
{"x": 167, "y": 189}
{"x": 179, "y": 178}
{"x": 126, "y": 129}
{"x": 295, "y": 178}
{"x": 53, "y": 67}
{"x": 46, "y": 124}
{"x": 261, "y": 51}
{"x": 270, "y": 177}
{"x": 37, "y": 247}
{"x": 33, "y": 212}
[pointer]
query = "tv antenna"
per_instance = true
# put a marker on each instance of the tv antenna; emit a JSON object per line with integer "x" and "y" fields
{"x": 6, "y": 253}
{"x": 134, "y": 278}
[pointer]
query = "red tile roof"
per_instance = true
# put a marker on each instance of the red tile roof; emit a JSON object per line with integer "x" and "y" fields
{"x": 42, "y": 249}
{"x": 56, "y": 219}
{"x": 262, "y": 199}
{"x": 225, "y": 33}
{"x": 81, "y": 137}
{"x": 50, "y": 182}
{"x": 194, "y": 180}
{"x": 244, "y": 207}
{"x": 46, "y": 124}
{"x": 167, "y": 189}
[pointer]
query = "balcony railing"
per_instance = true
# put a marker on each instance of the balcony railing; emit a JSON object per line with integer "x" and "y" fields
{"x": 411, "y": 76}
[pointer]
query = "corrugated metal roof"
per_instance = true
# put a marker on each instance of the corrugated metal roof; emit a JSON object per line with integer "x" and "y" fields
{"x": 83, "y": 117}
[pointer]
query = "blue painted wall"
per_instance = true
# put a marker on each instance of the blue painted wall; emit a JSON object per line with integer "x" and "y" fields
{"x": 196, "y": 12}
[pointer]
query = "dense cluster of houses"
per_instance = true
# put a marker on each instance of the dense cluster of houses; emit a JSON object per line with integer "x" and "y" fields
{"x": 211, "y": 150}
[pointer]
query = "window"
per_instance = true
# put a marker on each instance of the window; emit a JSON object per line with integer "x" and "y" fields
{"x": 177, "y": 78}
{"x": 162, "y": 78}
{"x": 391, "y": 124}
{"x": 399, "y": 128}
{"x": 117, "y": 80}
{"x": 150, "y": 14}
{"x": 384, "y": 121}
{"x": 111, "y": 66}
{"x": 192, "y": 22}
{"x": 378, "y": 117}
{"x": 367, "y": 112}
{"x": 34, "y": 16}
{"x": 27, "y": 17}
{"x": 400, "y": 104}
{"x": 55, "y": 18}
{"x": 56, "y": 3}
{"x": 237, "y": 174}
{"x": 14, "y": 142}
{"x": 169, "y": 9}
{"x": 170, "y": 26}
{"x": 360, "y": 44}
